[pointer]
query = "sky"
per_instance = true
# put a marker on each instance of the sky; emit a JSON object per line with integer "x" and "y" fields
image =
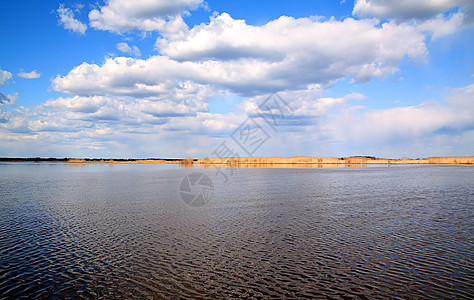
{"x": 195, "y": 78}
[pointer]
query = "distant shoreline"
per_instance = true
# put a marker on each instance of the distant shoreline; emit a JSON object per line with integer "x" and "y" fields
{"x": 93, "y": 160}
{"x": 296, "y": 161}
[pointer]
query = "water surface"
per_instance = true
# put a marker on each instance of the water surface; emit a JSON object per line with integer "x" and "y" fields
{"x": 110, "y": 231}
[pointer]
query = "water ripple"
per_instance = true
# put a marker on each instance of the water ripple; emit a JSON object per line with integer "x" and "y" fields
{"x": 395, "y": 232}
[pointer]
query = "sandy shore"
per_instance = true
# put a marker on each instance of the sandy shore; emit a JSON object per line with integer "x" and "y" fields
{"x": 329, "y": 161}
{"x": 273, "y": 161}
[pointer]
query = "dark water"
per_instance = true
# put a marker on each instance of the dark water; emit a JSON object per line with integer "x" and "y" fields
{"x": 123, "y": 231}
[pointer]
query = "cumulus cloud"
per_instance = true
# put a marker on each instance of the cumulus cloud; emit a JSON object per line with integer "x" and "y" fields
{"x": 29, "y": 75}
{"x": 435, "y": 17}
{"x": 9, "y": 99}
{"x": 124, "y": 109}
{"x": 407, "y": 9}
{"x": 441, "y": 25}
{"x": 125, "y": 48}
{"x": 68, "y": 20}
{"x": 425, "y": 129}
{"x": 4, "y": 77}
{"x": 155, "y": 15}
{"x": 163, "y": 100}
{"x": 424, "y": 124}
{"x": 319, "y": 125}
{"x": 155, "y": 79}
{"x": 287, "y": 38}
{"x": 97, "y": 123}
{"x": 405, "y": 123}
{"x": 228, "y": 54}
{"x": 340, "y": 125}
{"x": 82, "y": 105}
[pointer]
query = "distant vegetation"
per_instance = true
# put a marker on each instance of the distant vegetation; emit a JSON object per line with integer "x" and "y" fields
{"x": 88, "y": 160}
{"x": 256, "y": 161}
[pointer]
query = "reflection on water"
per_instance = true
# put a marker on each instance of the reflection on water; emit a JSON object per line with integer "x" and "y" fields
{"x": 123, "y": 231}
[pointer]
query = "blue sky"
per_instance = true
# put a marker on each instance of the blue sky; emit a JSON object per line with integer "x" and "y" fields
{"x": 164, "y": 78}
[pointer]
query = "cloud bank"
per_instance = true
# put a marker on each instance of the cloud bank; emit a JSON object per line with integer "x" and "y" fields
{"x": 121, "y": 16}
{"x": 160, "y": 105}
{"x": 284, "y": 54}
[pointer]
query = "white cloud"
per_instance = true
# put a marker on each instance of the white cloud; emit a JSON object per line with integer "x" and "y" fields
{"x": 465, "y": 90}
{"x": 304, "y": 103}
{"x": 96, "y": 123}
{"x": 153, "y": 15}
{"x": 78, "y": 7}
{"x": 340, "y": 125}
{"x": 67, "y": 20}
{"x": 81, "y": 105}
{"x": 29, "y": 75}
{"x": 126, "y": 110}
{"x": 285, "y": 54}
{"x": 414, "y": 124}
{"x": 13, "y": 98}
{"x": 407, "y": 9}
{"x": 8, "y": 99}
{"x": 125, "y": 48}
{"x": 156, "y": 79}
{"x": 441, "y": 26}
{"x": 320, "y": 126}
{"x": 435, "y": 17}
{"x": 151, "y": 8}
{"x": 4, "y": 77}
{"x": 167, "y": 108}
{"x": 129, "y": 105}
{"x": 285, "y": 38}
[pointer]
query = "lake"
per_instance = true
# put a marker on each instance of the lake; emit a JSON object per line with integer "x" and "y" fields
{"x": 137, "y": 231}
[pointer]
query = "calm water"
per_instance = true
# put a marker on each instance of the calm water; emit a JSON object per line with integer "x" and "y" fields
{"x": 123, "y": 231}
